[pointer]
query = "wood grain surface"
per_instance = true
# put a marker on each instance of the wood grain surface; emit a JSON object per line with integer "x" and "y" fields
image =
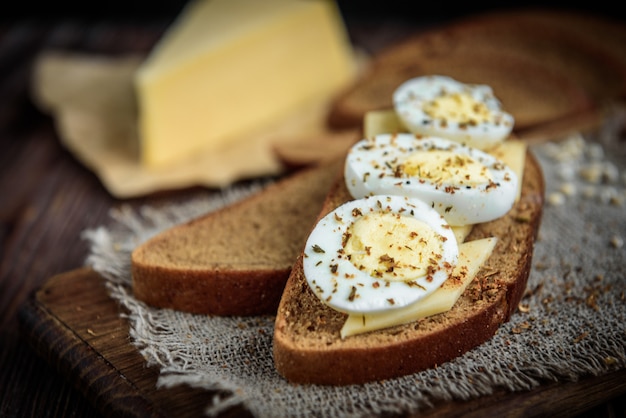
{"x": 47, "y": 199}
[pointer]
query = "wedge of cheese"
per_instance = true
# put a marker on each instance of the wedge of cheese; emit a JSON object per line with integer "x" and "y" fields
{"x": 472, "y": 255}
{"x": 228, "y": 68}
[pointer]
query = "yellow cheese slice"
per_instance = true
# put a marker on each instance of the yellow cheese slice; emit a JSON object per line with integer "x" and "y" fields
{"x": 226, "y": 69}
{"x": 472, "y": 255}
{"x": 383, "y": 121}
{"x": 512, "y": 152}
{"x": 461, "y": 232}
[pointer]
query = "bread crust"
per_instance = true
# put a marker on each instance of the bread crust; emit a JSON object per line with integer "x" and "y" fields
{"x": 307, "y": 346}
{"x": 236, "y": 260}
{"x": 222, "y": 292}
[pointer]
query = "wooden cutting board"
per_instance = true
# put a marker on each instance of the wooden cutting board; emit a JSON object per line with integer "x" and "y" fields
{"x": 73, "y": 323}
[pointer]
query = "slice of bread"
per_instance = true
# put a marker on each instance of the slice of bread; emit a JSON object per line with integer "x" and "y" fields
{"x": 543, "y": 66}
{"x": 307, "y": 343}
{"x": 234, "y": 261}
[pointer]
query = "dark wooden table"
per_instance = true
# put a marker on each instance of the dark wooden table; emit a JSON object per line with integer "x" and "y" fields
{"x": 47, "y": 198}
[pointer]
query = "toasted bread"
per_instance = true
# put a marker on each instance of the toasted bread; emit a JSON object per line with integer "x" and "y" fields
{"x": 234, "y": 261}
{"x": 308, "y": 347}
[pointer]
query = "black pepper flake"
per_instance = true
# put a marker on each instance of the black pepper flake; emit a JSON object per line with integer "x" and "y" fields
{"x": 318, "y": 249}
{"x": 345, "y": 238}
{"x": 416, "y": 284}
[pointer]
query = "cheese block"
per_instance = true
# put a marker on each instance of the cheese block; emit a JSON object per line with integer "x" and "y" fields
{"x": 229, "y": 68}
{"x": 472, "y": 255}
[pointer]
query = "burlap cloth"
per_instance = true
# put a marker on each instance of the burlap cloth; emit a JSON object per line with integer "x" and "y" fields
{"x": 571, "y": 322}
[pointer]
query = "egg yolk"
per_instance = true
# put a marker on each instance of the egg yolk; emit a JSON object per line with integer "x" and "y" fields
{"x": 441, "y": 166}
{"x": 458, "y": 107}
{"x": 393, "y": 247}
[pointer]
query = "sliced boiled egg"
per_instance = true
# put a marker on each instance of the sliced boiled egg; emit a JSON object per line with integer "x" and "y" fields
{"x": 463, "y": 184}
{"x": 379, "y": 253}
{"x": 441, "y": 106}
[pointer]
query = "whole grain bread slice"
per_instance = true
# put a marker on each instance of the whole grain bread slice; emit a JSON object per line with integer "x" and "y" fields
{"x": 307, "y": 343}
{"x": 234, "y": 261}
{"x": 543, "y": 65}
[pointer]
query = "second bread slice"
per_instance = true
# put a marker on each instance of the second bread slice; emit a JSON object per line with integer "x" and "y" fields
{"x": 234, "y": 261}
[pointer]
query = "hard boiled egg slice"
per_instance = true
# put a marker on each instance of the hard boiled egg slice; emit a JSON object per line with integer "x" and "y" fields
{"x": 465, "y": 185}
{"x": 441, "y": 106}
{"x": 379, "y": 253}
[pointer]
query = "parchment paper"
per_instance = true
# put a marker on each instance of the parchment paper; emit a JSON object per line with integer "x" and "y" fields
{"x": 93, "y": 103}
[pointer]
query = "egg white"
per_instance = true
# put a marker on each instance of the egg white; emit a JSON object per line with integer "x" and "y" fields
{"x": 413, "y": 97}
{"x": 373, "y": 167}
{"x": 339, "y": 283}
